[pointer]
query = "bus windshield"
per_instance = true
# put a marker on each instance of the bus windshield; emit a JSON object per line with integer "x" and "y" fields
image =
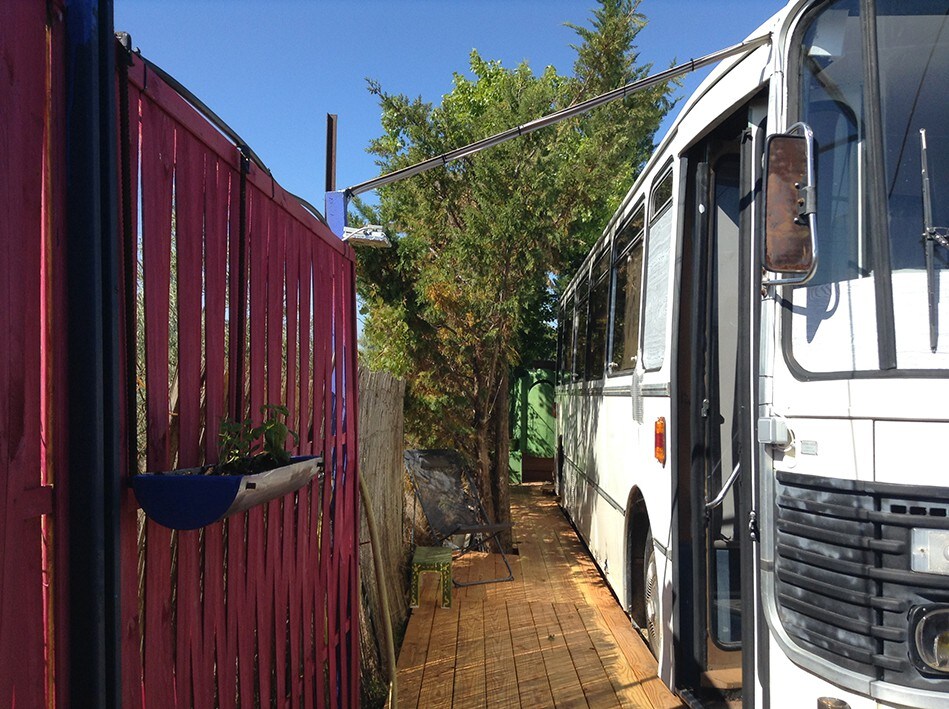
{"x": 839, "y": 319}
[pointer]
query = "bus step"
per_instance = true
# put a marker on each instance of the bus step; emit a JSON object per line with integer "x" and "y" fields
{"x": 724, "y": 679}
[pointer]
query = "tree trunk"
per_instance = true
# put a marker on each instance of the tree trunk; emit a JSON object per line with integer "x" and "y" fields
{"x": 483, "y": 461}
{"x": 501, "y": 476}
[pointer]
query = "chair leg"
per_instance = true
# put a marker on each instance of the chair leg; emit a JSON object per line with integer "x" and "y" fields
{"x": 413, "y": 588}
{"x": 499, "y": 579}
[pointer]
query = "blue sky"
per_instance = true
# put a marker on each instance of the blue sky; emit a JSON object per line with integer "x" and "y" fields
{"x": 273, "y": 69}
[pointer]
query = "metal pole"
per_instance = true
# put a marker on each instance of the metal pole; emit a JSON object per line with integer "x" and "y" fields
{"x": 558, "y": 116}
{"x": 330, "y": 152}
{"x": 92, "y": 347}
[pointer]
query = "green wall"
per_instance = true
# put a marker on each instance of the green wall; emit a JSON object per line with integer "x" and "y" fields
{"x": 533, "y": 425}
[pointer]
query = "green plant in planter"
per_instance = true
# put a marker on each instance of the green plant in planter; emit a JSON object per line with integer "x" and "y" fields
{"x": 246, "y": 449}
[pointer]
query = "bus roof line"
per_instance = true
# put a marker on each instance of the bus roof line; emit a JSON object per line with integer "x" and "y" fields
{"x": 576, "y": 109}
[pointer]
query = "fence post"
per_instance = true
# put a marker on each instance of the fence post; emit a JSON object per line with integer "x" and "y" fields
{"x": 92, "y": 356}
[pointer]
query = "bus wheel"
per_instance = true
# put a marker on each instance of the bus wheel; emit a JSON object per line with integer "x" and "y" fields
{"x": 653, "y": 625}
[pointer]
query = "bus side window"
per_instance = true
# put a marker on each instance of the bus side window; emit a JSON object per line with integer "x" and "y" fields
{"x": 599, "y": 315}
{"x": 560, "y": 346}
{"x": 566, "y": 342}
{"x": 579, "y": 360}
{"x": 627, "y": 287}
{"x": 657, "y": 273}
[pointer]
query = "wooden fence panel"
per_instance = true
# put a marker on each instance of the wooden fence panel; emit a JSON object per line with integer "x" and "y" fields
{"x": 381, "y": 424}
{"x": 248, "y": 300}
{"x": 28, "y": 223}
{"x": 236, "y": 296}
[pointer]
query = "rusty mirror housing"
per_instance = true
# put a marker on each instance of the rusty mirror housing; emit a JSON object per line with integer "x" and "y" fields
{"x": 790, "y": 206}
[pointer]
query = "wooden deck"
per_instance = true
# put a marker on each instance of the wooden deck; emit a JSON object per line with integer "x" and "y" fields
{"x": 555, "y": 636}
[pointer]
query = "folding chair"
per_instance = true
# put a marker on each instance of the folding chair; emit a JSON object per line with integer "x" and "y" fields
{"x": 449, "y": 498}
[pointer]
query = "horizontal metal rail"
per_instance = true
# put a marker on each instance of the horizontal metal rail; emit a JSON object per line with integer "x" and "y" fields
{"x": 561, "y": 115}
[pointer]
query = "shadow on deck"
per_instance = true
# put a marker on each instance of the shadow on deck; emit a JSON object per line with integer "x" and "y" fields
{"x": 553, "y": 636}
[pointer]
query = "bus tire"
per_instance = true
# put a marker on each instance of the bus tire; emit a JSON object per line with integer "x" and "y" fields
{"x": 653, "y": 624}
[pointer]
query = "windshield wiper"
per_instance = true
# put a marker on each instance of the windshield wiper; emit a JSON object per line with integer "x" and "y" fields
{"x": 932, "y": 235}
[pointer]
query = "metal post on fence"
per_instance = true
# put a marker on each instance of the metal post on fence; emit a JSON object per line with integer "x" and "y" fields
{"x": 92, "y": 357}
{"x": 336, "y": 205}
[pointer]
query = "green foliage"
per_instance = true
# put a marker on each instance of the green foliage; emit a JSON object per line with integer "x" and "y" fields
{"x": 245, "y": 449}
{"x": 481, "y": 248}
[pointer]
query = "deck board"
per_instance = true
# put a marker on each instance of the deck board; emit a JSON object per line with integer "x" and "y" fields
{"x": 554, "y": 637}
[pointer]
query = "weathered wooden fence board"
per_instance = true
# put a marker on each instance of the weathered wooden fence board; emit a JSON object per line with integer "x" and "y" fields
{"x": 27, "y": 227}
{"x": 380, "y": 463}
{"x": 247, "y": 302}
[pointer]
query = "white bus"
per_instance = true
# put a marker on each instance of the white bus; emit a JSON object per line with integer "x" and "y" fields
{"x": 753, "y": 402}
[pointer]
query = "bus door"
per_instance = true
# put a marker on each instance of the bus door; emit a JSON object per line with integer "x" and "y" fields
{"x": 720, "y": 423}
{"x": 710, "y": 382}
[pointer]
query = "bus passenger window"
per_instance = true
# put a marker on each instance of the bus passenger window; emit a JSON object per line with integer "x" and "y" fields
{"x": 567, "y": 343}
{"x": 579, "y": 360}
{"x": 627, "y": 286}
{"x": 599, "y": 317}
{"x": 657, "y": 274}
{"x": 560, "y": 347}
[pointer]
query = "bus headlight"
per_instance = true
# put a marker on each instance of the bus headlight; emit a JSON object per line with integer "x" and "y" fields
{"x": 930, "y": 626}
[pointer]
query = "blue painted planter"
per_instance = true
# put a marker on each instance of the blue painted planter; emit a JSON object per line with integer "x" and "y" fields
{"x": 188, "y": 499}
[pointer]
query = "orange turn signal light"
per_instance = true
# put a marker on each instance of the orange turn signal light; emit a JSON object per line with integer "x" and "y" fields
{"x": 661, "y": 440}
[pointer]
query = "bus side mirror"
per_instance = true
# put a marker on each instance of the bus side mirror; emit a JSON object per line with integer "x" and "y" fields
{"x": 790, "y": 207}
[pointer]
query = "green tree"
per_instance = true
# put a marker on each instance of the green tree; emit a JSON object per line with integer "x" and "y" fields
{"x": 481, "y": 247}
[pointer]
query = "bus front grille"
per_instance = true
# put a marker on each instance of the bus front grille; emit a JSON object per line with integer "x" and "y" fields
{"x": 843, "y": 580}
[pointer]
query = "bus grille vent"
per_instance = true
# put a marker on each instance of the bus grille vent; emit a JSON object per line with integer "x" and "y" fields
{"x": 843, "y": 579}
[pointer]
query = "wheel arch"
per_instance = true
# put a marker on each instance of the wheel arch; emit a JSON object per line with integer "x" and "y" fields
{"x": 637, "y": 529}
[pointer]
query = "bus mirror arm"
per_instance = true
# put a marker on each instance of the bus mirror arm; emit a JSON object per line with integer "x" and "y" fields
{"x": 720, "y": 497}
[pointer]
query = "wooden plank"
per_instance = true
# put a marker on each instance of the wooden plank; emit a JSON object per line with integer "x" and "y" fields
{"x": 293, "y": 290}
{"x": 157, "y": 167}
{"x": 347, "y": 485}
{"x": 561, "y": 674}
{"x": 534, "y": 570}
{"x": 213, "y": 623}
{"x": 189, "y": 228}
{"x": 514, "y": 592}
{"x": 280, "y": 547}
{"x": 475, "y": 566}
{"x": 240, "y": 653}
{"x": 533, "y": 686}
{"x": 323, "y": 372}
{"x": 131, "y": 617}
{"x": 594, "y": 679}
{"x": 438, "y": 678}
{"x": 275, "y": 263}
{"x": 258, "y": 304}
{"x": 313, "y": 645}
{"x": 414, "y": 650}
{"x": 557, "y": 570}
{"x": 469, "y": 684}
{"x": 189, "y": 232}
{"x": 306, "y": 406}
{"x": 24, "y": 352}
{"x": 217, "y": 196}
{"x": 260, "y": 596}
{"x": 638, "y": 678}
{"x": 500, "y": 681}
{"x": 217, "y": 201}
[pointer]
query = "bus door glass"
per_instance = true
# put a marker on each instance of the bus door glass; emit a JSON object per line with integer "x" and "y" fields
{"x": 722, "y": 420}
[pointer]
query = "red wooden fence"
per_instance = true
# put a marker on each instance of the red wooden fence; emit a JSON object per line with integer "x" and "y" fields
{"x": 242, "y": 298}
{"x": 235, "y": 296}
{"x": 30, "y": 237}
